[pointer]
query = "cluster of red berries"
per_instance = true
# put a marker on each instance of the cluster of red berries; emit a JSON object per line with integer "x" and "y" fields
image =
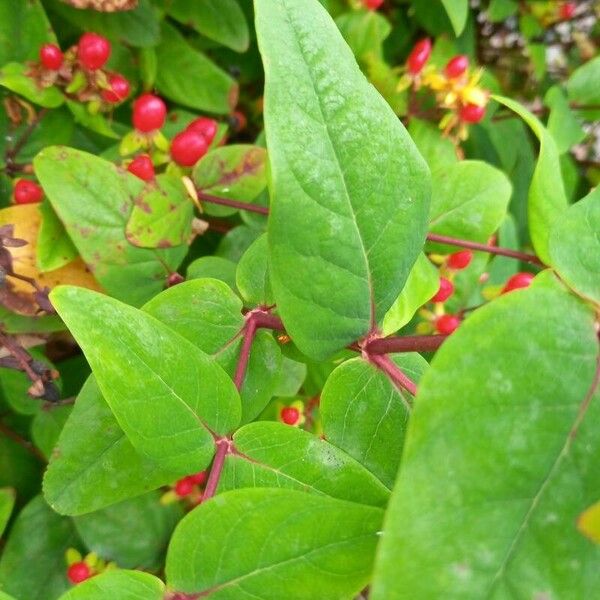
{"x": 191, "y": 144}
{"x": 89, "y": 56}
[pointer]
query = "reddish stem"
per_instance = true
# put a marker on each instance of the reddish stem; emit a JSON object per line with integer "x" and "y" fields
{"x": 263, "y": 210}
{"x": 244, "y": 357}
{"x": 223, "y": 449}
{"x": 408, "y": 343}
{"x": 265, "y": 320}
{"x": 15, "y": 437}
{"x": 389, "y": 367}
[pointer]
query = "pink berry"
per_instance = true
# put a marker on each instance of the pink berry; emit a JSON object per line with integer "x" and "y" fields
{"x": 188, "y": 147}
{"x": 51, "y": 57}
{"x": 27, "y": 192}
{"x": 78, "y": 572}
{"x": 118, "y": 90}
{"x": 447, "y": 324}
{"x": 456, "y": 66}
{"x": 199, "y": 478}
{"x": 149, "y": 113}
{"x": 567, "y": 10}
{"x": 471, "y": 113}
{"x": 460, "y": 260}
{"x": 93, "y": 51}
{"x": 175, "y": 279}
{"x": 141, "y": 166}
{"x": 184, "y": 487}
{"x": 444, "y": 292}
{"x": 520, "y": 280}
{"x": 206, "y": 127}
{"x": 372, "y": 4}
{"x": 290, "y": 415}
{"x": 419, "y": 56}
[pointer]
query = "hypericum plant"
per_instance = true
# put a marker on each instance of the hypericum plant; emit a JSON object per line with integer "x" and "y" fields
{"x": 316, "y": 366}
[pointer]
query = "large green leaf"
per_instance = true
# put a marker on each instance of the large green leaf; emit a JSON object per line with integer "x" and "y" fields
{"x": 33, "y": 562}
{"x": 500, "y": 459}
{"x": 365, "y": 415}
{"x": 169, "y": 414}
{"x": 134, "y": 533}
{"x": 277, "y": 455}
{"x": 344, "y": 231}
{"x": 187, "y": 77}
{"x": 118, "y": 584}
{"x": 93, "y": 198}
{"x": 220, "y": 20}
{"x": 547, "y": 198}
{"x": 14, "y": 76}
{"x": 94, "y": 464}
{"x": 209, "y": 314}
{"x": 295, "y": 546}
{"x": 7, "y": 501}
{"x": 469, "y": 201}
{"x": 575, "y": 246}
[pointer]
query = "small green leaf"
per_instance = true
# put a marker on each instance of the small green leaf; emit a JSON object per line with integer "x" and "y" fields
{"x": 277, "y": 455}
{"x": 365, "y": 415}
{"x": 236, "y": 172}
{"x": 582, "y": 85}
{"x": 252, "y": 275}
{"x": 547, "y": 198}
{"x": 437, "y": 150}
{"x": 292, "y": 557}
{"x": 33, "y": 561}
{"x": 196, "y": 82}
{"x": 14, "y": 77}
{"x": 562, "y": 123}
{"x": 95, "y": 122}
{"x": 162, "y": 215}
{"x": 168, "y": 414}
{"x": 364, "y": 31}
{"x": 54, "y": 247}
{"x": 19, "y": 469}
{"x": 220, "y": 20}
{"x": 134, "y": 533}
{"x": 575, "y": 246}
{"x": 118, "y": 584}
{"x": 213, "y": 267}
{"x": 343, "y": 235}
{"x": 7, "y": 502}
{"x": 458, "y": 11}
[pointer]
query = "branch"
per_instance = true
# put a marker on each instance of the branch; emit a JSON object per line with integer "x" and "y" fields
{"x": 244, "y": 357}
{"x": 396, "y": 376}
{"x": 263, "y": 210}
{"x": 224, "y": 447}
{"x": 408, "y": 343}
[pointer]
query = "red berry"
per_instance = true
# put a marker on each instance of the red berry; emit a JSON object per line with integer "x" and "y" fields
{"x": 460, "y": 260}
{"x": 419, "y": 56}
{"x": 184, "y": 487}
{"x": 444, "y": 292}
{"x": 188, "y": 147}
{"x": 520, "y": 280}
{"x": 456, "y": 66}
{"x": 141, "y": 166}
{"x": 51, "y": 57}
{"x": 446, "y": 324}
{"x": 290, "y": 415}
{"x": 372, "y": 4}
{"x": 78, "y": 572}
{"x": 199, "y": 478}
{"x": 27, "y": 192}
{"x": 149, "y": 113}
{"x": 471, "y": 113}
{"x": 118, "y": 91}
{"x": 567, "y": 10}
{"x": 93, "y": 51}
{"x": 175, "y": 279}
{"x": 206, "y": 127}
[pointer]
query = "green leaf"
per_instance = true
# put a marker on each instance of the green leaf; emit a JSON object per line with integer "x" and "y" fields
{"x": 14, "y": 323}
{"x": 365, "y": 415}
{"x": 19, "y": 469}
{"x": 469, "y": 201}
{"x": 291, "y": 558}
{"x": 364, "y": 31}
{"x": 235, "y": 242}
{"x": 133, "y": 533}
{"x": 343, "y": 236}
{"x": 93, "y": 199}
{"x": 582, "y": 85}
{"x": 575, "y": 246}
{"x": 547, "y": 198}
{"x": 500, "y": 458}
{"x": 47, "y": 425}
{"x": 422, "y": 284}
{"x": 236, "y": 172}
{"x": 252, "y": 275}
{"x": 196, "y": 82}
{"x": 14, "y": 77}
{"x": 209, "y": 314}
{"x": 500, "y": 10}
{"x": 213, "y": 267}
{"x": 220, "y": 20}
{"x": 458, "y": 11}
{"x": 437, "y": 150}
{"x": 7, "y": 502}
{"x": 33, "y": 562}
{"x": 54, "y": 247}
{"x": 162, "y": 215}
{"x": 94, "y": 464}
{"x": 24, "y": 28}
{"x": 137, "y": 362}
{"x": 118, "y": 583}
{"x": 96, "y": 122}
{"x": 276, "y": 455}
{"x": 562, "y": 123}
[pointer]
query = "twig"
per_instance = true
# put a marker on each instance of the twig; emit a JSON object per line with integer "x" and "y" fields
{"x": 15, "y": 437}
{"x": 408, "y": 343}
{"x": 244, "y": 357}
{"x": 263, "y": 210}
{"x": 224, "y": 446}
